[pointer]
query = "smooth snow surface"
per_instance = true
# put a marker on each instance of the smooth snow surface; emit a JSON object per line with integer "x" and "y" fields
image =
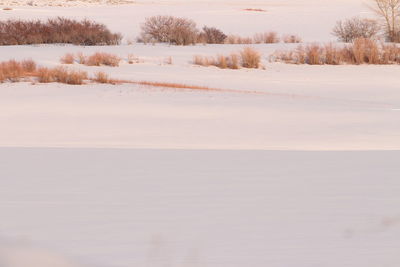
{"x": 104, "y": 207}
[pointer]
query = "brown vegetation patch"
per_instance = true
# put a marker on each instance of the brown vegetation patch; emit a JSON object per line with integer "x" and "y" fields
{"x": 361, "y": 51}
{"x": 58, "y": 30}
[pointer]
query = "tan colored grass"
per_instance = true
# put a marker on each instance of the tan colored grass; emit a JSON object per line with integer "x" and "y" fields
{"x": 250, "y": 58}
{"x": 61, "y": 75}
{"x": 106, "y": 59}
{"x": 266, "y": 38}
{"x": 101, "y": 77}
{"x": 13, "y": 70}
{"x": 361, "y": 51}
{"x": 68, "y": 58}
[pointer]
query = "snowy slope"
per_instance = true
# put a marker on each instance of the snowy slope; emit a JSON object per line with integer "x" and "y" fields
{"x": 201, "y": 208}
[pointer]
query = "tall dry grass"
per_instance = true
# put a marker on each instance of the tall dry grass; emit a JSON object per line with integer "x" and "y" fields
{"x": 361, "y": 51}
{"x": 247, "y": 58}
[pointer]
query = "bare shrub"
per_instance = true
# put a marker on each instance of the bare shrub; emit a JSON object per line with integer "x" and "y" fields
{"x": 250, "y": 58}
{"x": 211, "y": 35}
{"x": 361, "y": 51}
{"x": 58, "y": 30}
{"x": 98, "y": 59}
{"x": 169, "y": 29}
{"x": 266, "y": 38}
{"x": 349, "y": 30}
{"x": 292, "y": 39}
{"x": 68, "y": 58}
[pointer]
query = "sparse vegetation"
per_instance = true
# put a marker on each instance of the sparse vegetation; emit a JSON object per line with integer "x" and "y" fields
{"x": 351, "y": 29}
{"x": 361, "y": 51}
{"x": 61, "y": 75}
{"x": 291, "y": 39}
{"x": 247, "y": 58}
{"x": 266, "y": 38}
{"x": 106, "y": 59}
{"x": 68, "y": 58}
{"x": 101, "y": 77}
{"x": 58, "y": 30}
{"x": 97, "y": 59}
{"x": 250, "y": 58}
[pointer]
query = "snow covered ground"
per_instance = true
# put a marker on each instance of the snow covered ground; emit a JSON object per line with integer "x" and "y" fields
{"x": 152, "y": 177}
{"x": 106, "y": 207}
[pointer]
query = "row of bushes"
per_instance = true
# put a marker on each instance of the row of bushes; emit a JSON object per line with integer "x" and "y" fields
{"x": 182, "y": 31}
{"x": 361, "y": 51}
{"x": 58, "y": 30}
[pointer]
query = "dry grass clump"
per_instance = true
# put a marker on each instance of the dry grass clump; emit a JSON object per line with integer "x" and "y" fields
{"x": 247, "y": 58}
{"x": 68, "y": 58}
{"x": 266, "y": 38}
{"x": 106, "y": 59}
{"x": 236, "y": 39}
{"x": 291, "y": 39}
{"x": 361, "y": 51}
{"x": 101, "y": 77}
{"x": 97, "y": 59}
{"x": 61, "y": 75}
{"x": 251, "y": 58}
{"x": 262, "y": 38}
{"x": 58, "y": 30}
{"x": 14, "y": 71}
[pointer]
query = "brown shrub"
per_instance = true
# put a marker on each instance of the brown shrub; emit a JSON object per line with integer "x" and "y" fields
{"x": 58, "y": 30}
{"x": 211, "y": 35}
{"x": 98, "y": 59}
{"x": 68, "y": 58}
{"x": 250, "y": 58}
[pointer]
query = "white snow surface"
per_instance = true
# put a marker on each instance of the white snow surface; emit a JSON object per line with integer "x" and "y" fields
{"x": 107, "y": 207}
{"x": 283, "y": 166}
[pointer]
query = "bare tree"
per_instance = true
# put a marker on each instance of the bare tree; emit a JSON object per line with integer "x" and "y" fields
{"x": 350, "y": 29}
{"x": 389, "y": 11}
